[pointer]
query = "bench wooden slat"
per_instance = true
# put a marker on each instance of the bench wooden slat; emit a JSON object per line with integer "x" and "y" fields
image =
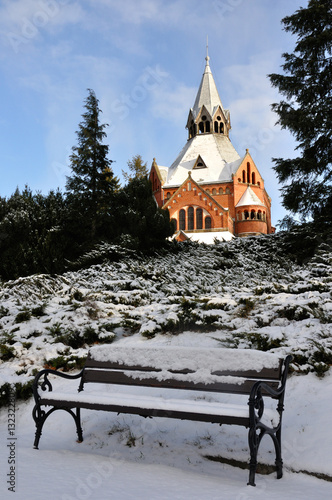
{"x": 122, "y": 378}
{"x": 265, "y": 373}
{"x": 151, "y": 412}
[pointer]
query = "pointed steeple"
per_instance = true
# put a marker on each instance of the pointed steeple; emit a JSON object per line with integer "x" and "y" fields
{"x": 208, "y": 115}
{"x": 207, "y": 94}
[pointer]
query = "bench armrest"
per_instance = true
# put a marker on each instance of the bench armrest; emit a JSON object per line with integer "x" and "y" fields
{"x": 45, "y": 384}
{"x": 256, "y": 398}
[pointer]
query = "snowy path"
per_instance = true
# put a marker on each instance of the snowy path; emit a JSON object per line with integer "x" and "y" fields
{"x": 166, "y": 458}
{"x": 57, "y": 475}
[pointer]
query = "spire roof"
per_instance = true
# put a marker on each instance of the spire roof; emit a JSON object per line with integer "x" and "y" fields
{"x": 207, "y": 94}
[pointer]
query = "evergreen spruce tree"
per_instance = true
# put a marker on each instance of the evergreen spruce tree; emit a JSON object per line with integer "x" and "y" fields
{"x": 91, "y": 187}
{"x": 306, "y": 112}
{"x": 31, "y": 240}
{"x": 140, "y": 218}
{"x": 137, "y": 169}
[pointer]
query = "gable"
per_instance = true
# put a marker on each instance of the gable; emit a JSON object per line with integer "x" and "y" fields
{"x": 191, "y": 193}
{"x": 248, "y": 173}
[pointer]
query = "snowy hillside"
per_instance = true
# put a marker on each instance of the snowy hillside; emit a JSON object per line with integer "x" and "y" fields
{"x": 245, "y": 293}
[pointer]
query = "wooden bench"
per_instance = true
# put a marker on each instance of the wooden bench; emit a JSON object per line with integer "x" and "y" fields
{"x": 255, "y": 374}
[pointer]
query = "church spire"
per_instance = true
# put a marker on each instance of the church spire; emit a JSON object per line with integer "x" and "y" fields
{"x": 207, "y": 94}
{"x": 208, "y": 114}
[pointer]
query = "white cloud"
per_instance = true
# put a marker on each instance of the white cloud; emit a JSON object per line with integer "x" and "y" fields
{"x": 17, "y": 13}
{"x": 23, "y": 22}
{"x": 139, "y": 12}
{"x": 174, "y": 103}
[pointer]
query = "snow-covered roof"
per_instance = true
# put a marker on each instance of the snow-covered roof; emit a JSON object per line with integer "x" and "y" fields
{"x": 163, "y": 172}
{"x": 249, "y": 198}
{"x": 209, "y": 237}
{"x": 207, "y": 94}
{"x": 219, "y": 156}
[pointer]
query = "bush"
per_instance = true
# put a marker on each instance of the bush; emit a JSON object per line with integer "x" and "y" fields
{"x": 22, "y": 316}
{"x": 23, "y": 391}
{"x": 66, "y": 363}
{"x": 6, "y": 352}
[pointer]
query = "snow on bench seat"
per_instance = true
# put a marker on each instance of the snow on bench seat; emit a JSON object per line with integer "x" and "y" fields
{"x": 201, "y": 406}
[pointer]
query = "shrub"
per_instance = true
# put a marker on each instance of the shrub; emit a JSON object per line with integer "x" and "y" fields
{"x": 6, "y": 352}
{"x": 247, "y": 307}
{"x": 22, "y": 391}
{"x": 76, "y": 339}
{"x": 78, "y": 296}
{"x": 3, "y": 311}
{"x": 66, "y": 363}
{"x": 22, "y": 316}
{"x": 38, "y": 311}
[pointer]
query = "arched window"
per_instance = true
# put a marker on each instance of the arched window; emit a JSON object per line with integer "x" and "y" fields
{"x": 253, "y": 214}
{"x": 214, "y": 191}
{"x": 208, "y": 222}
{"x": 216, "y": 127}
{"x": 228, "y": 191}
{"x": 248, "y": 172}
{"x": 246, "y": 214}
{"x": 199, "y": 218}
{"x": 253, "y": 178}
{"x": 182, "y": 220}
{"x": 221, "y": 191}
{"x": 259, "y": 215}
{"x": 258, "y": 184}
{"x": 190, "y": 218}
{"x": 243, "y": 176}
{"x": 175, "y": 224}
{"x": 221, "y": 128}
{"x": 201, "y": 127}
{"x": 207, "y": 126}
{"x": 207, "y": 190}
{"x": 168, "y": 195}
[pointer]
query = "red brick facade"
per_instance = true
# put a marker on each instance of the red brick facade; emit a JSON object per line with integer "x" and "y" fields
{"x": 213, "y": 207}
{"x": 239, "y": 204}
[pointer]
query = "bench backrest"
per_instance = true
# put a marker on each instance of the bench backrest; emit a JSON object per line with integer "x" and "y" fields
{"x": 215, "y": 370}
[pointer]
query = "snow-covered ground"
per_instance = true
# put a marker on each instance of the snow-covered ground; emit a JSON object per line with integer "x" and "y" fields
{"x": 242, "y": 294}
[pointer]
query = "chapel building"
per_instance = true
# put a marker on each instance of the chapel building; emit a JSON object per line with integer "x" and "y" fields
{"x": 209, "y": 190}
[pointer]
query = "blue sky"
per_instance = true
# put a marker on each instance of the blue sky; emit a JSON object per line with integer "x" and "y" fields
{"x": 144, "y": 59}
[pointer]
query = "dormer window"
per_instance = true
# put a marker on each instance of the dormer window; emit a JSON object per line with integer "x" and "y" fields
{"x": 199, "y": 163}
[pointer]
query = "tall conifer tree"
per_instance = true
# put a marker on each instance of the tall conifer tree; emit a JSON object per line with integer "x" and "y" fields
{"x": 92, "y": 185}
{"x": 306, "y": 112}
{"x": 137, "y": 168}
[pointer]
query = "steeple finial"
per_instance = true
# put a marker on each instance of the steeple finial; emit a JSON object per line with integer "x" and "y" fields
{"x": 207, "y": 50}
